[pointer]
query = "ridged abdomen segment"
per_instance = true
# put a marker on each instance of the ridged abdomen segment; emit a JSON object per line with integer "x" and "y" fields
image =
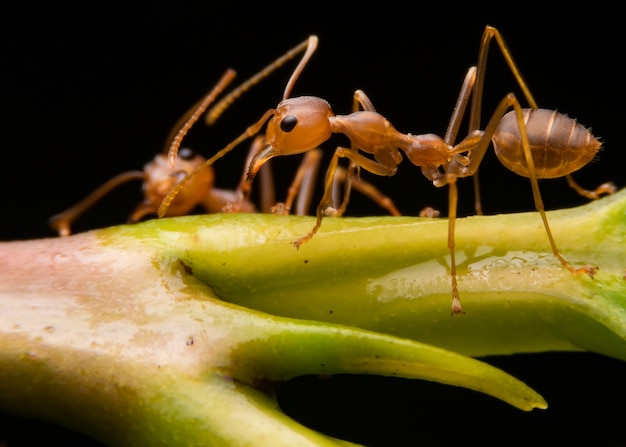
{"x": 559, "y": 144}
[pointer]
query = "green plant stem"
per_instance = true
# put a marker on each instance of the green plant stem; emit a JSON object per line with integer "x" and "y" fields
{"x": 167, "y": 332}
{"x": 392, "y": 275}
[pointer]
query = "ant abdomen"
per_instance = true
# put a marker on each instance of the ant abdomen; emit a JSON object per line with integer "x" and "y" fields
{"x": 559, "y": 144}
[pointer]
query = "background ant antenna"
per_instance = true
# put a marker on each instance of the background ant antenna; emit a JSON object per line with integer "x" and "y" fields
{"x": 216, "y": 111}
{"x": 183, "y": 125}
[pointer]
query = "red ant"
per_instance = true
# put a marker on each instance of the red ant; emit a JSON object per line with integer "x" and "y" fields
{"x": 532, "y": 142}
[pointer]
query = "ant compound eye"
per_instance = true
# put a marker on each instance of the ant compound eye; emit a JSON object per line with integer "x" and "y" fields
{"x": 288, "y": 123}
{"x": 186, "y": 153}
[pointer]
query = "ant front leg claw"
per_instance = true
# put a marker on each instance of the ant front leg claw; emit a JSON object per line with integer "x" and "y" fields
{"x": 323, "y": 208}
{"x": 588, "y": 269}
{"x": 456, "y": 303}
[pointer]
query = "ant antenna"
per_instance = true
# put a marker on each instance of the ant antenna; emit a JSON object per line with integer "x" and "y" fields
{"x": 216, "y": 111}
{"x": 310, "y": 49}
{"x": 183, "y": 125}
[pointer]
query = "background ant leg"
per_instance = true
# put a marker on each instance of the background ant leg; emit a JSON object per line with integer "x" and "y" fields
{"x": 62, "y": 222}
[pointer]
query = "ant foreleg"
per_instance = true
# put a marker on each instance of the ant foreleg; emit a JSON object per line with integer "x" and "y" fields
{"x": 244, "y": 188}
{"x": 326, "y": 205}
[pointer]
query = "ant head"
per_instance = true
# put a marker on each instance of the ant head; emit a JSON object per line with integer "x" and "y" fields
{"x": 299, "y": 125}
{"x": 160, "y": 178}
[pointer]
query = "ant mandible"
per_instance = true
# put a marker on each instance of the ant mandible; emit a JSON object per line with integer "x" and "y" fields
{"x": 300, "y": 124}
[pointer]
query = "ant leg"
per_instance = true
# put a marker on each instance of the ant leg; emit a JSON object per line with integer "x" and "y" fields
{"x": 439, "y": 179}
{"x": 326, "y": 203}
{"x": 349, "y": 177}
{"x": 311, "y": 166}
{"x": 605, "y": 188}
{"x": 61, "y": 222}
{"x": 218, "y": 201}
{"x": 455, "y": 124}
{"x": 360, "y": 101}
{"x": 302, "y": 185}
{"x": 453, "y": 196}
{"x": 368, "y": 190}
{"x": 244, "y": 188}
{"x": 489, "y": 33}
{"x": 267, "y": 199}
{"x": 461, "y": 105}
{"x": 478, "y": 85}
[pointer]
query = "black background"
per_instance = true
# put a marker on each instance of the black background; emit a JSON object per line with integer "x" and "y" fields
{"x": 88, "y": 92}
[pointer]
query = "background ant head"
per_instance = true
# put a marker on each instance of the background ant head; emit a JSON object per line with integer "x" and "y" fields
{"x": 160, "y": 178}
